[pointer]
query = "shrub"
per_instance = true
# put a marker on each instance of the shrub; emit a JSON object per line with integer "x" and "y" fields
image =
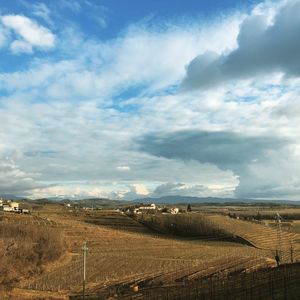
{"x": 26, "y": 249}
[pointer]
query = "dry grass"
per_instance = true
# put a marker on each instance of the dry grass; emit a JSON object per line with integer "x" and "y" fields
{"x": 26, "y": 250}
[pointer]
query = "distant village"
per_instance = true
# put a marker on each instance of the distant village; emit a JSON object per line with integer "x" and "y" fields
{"x": 136, "y": 209}
{"x": 154, "y": 208}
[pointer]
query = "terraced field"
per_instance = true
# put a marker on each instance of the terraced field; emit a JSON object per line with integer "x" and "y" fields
{"x": 122, "y": 252}
{"x": 261, "y": 236}
{"x": 20, "y": 219}
{"x": 117, "y": 257}
{"x": 113, "y": 219}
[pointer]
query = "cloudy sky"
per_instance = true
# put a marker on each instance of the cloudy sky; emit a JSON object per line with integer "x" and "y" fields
{"x": 126, "y": 99}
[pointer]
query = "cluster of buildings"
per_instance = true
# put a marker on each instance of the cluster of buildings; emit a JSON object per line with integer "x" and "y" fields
{"x": 12, "y": 206}
{"x": 151, "y": 208}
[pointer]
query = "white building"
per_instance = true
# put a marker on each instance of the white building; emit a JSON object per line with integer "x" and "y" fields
{"x": 14, "y": 205}
{"x": 9, "y": 206}
{"x": 151, "y": 206}
{"x": 174, "y": 211}
{"x": 140, "y": 209}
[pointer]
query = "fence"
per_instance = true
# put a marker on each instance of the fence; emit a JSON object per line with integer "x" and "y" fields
{"x": 276, "y": 283}
{"x": 282, "y": 283}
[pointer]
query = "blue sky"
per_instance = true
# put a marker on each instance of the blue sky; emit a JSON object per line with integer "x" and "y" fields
{"x": 126, "y": 99}
{"x": 119, "y": 14}
{"x": 105, "y": 20}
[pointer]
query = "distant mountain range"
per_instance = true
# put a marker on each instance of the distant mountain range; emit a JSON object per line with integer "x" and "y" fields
{"x": 89, "y": 202}
{"x": 201, "y": 200}
{"x": 160, "y": 200}
{"x": 98, "y": 202}
{"x": 10, "y": 197}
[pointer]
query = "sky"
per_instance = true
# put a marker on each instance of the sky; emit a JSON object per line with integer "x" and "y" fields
{"x": 130, "y": 99}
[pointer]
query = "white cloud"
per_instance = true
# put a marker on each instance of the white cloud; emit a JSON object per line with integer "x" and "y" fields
{"x": 132, "y": 191}
{"x": 41, "y": 10}
{"x": 20, "y": 47}
{"x": 81, "y": 190}
{"x": 30, "y": 31}
{"x": 15, "y": 181}
{"x": 3, "y": 36}
{"x": 193, "y": 190}
{"x": 123, "y": 168}
{"x": 70, "y": 192}
{"x": 139, "y": 189}
{"x": 73, "y": 5}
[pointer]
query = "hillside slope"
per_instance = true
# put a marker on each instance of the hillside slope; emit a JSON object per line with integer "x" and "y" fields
{"x": 118, "y": 256}
{"x": 261, "y": 236}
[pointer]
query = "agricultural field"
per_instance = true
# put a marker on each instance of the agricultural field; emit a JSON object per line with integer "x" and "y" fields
{"x": 123, "y": 252}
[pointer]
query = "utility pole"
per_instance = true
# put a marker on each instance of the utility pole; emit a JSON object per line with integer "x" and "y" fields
{"x": 279, "y": 236}
{"x": 84, "y": 249}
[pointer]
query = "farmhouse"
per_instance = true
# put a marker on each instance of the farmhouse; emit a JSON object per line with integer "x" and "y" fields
{"x": 14, "y": 205}
{"x": 145, "y": 208}
{"x": 6, "y": 207}
{"x": 9, "y": 206}
{"x": 151, "y": 206}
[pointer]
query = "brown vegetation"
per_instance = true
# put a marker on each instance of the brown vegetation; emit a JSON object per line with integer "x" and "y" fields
{"x": 183, "y": 225}
{"x": 26, "y": 250}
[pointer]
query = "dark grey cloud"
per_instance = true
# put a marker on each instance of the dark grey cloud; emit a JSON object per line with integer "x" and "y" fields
{"x": 228, "y": 151}
{"x": 250, "y": 187}
{"x": 262, "y": 49}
